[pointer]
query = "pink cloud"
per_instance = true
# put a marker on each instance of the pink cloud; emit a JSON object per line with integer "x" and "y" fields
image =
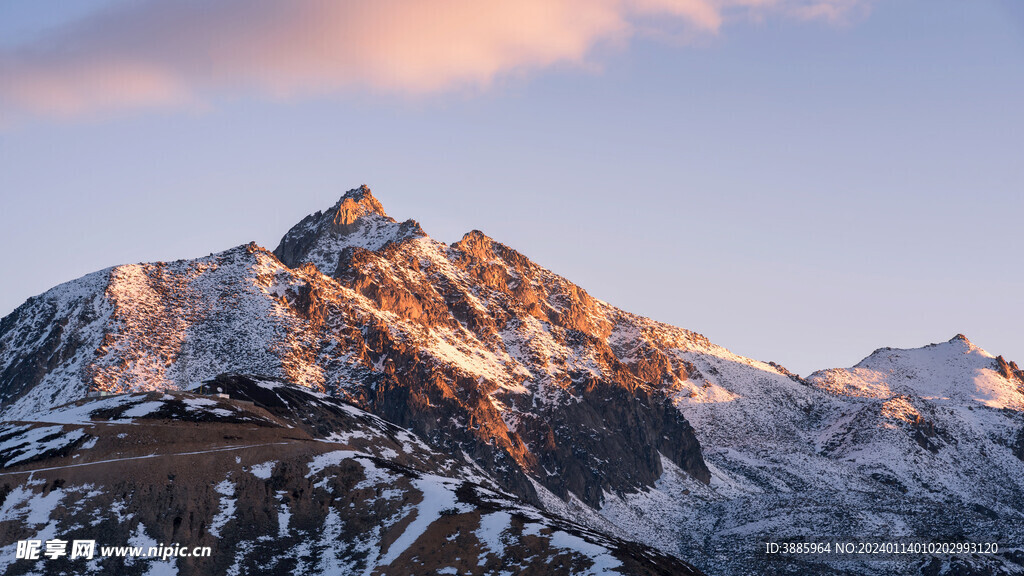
{"x": 155, "y": 53}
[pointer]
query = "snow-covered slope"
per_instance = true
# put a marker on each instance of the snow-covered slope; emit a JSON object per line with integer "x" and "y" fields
{"x": 47, "y": 343}
{"x": 922, "y": 445}
{"x": 154, "y": 326}
{"x": 954, "y": 373}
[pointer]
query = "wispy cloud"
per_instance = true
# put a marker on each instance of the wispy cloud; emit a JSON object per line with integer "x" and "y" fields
{"x": 157, "y": 53}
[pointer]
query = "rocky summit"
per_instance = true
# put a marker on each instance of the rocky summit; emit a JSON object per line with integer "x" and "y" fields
{"x": 365, "y": 399}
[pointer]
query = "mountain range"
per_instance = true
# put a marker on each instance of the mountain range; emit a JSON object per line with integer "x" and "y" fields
{"x": 390, "y": 404}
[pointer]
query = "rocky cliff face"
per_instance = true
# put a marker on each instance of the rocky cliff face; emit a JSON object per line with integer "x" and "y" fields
{"x": 531, "y": 373}
{"x": 623, "y": 424}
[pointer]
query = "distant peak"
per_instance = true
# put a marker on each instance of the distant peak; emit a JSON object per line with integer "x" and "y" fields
{"x": 959, "y": 338}
{"x": 355, "y": 204}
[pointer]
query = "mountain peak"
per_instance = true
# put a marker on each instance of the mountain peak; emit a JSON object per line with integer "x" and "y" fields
{"x": 355, "y": 204}
{"x": 476, "y": 243}
{"x": 358, "y": 193}
{"x": 956, "y": 371}
{"x": 962, "y": 345}
{"x": 356, "y": 220}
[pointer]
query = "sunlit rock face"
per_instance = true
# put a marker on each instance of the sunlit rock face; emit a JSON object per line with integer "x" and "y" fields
{"x": 513, "y": 353}
{"x": 629, "y": 426}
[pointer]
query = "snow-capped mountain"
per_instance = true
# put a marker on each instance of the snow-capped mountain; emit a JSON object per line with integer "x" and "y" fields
{"x": 634, "y": 428}
{"x": 471, "y": 345}
{"x": 909, "y": 446}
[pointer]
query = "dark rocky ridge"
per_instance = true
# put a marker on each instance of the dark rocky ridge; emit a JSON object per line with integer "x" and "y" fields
{"x": 288, "y": 483}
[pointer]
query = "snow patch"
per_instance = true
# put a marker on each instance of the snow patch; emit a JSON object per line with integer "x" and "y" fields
{"x": 226, "y": 489}
{"x": 263, "y": 470}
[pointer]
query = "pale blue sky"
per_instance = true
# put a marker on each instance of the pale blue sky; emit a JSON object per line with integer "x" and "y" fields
{"x": 803, "y": 191}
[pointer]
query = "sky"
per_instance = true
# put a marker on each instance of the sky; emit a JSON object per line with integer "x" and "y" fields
{"x": 802, "y": 181}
